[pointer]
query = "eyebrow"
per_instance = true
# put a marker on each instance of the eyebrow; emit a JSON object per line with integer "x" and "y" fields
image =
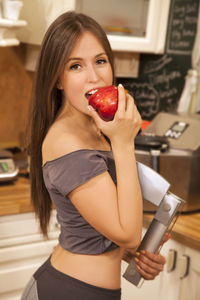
{"x": 80, "y": 58}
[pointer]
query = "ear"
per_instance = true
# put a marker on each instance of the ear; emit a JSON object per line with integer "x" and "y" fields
{"x": 59, "y": 85}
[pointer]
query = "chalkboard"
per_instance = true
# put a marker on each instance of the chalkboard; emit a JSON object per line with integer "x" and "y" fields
{"x": 183, "y": 17}
{"x": 162, "y": 77}
{"x": 159, "y": 84}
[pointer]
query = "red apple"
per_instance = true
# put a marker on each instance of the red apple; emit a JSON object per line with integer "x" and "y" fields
{"x": 105, "y": 101}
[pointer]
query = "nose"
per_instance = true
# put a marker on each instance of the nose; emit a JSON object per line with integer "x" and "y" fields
{"x": 92, "y": 74}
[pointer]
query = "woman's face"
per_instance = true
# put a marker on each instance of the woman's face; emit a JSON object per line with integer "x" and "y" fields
{"x": 88, "y": 67}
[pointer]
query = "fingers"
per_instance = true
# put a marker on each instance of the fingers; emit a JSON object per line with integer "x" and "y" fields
{"x": 95, "y": 116}
{"x": 127, "y": 107}
{"x": 128, "y": 254}
{"x": 126, "y": 122}
{"x": 149, "y": 265}
{"x": 132, "y": 111}
{"x": 121, "y": 101}
{"x": 157, "y": 258}
{"x": 126, "y": 103}
{"x": 167, "y": 236}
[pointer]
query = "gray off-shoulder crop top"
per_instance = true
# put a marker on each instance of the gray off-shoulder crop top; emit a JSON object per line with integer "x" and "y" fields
{"x": 61, "y": 176}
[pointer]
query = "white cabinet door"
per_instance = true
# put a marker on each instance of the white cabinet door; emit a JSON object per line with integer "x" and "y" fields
{"x": 39, "y": 14}
{"x": 155, "y": 12}
{"x": 149, "y": 289}
{"x": 190, "y": 284}
{"x": 166, "y": 286}
{"x": 23, "y": 228}
{"x": 22, "y": 250}
{"x": 170, "y": 283}
{"x": 18, "y": 263}
{"x": 147, "y": 16}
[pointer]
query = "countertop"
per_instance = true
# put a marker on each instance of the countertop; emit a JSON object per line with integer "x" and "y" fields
{"x": 185, "y": 231}
{"x": 15, "y": 199}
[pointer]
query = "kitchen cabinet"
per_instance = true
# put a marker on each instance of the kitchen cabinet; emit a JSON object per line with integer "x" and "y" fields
{"x": 148, "y": 290}
{"x": 132, "y": 26}
{"x": 9, "y": 23}
{"x": 46, "y": 11}
{"x": 190, "y": 287}
{"x": 169, "y": 281}
{"x": 179, "y": 280}
{"x": 8, "y": 31}
{"x": 181, "y": 283}
{"x": 22, "y": 250}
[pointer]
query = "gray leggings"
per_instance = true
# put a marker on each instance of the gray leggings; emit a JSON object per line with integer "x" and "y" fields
{"x": 50, "y": 284}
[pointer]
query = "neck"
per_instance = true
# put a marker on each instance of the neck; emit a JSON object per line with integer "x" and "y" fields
{"x": 80, "y": 123}
{"x": 69, "y": 112}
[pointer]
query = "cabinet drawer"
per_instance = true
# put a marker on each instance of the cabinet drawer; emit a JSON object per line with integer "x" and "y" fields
{"x": 10, "y": 255}
{"x": 18, "y": 277}
{"x": 18, "y": 263}
{"x": 194, "y": 260}
{"x": 15, "y": 228}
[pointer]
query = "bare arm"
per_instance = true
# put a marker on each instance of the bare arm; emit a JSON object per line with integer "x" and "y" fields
{"x": 116, "y": 212}
{"x": 149, "y": 265}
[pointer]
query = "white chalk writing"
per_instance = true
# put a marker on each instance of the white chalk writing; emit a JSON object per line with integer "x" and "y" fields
{"x": 164, "y": 78}
{"x": 182, "y": 26}
{"x": 153, "y": 66}
{"x": 168, "y": 93}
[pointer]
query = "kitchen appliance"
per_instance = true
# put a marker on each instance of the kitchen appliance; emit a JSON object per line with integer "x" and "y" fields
{"x": 171, "y": 145}
{"x": 8, "y": 169}
{"x": 156, "y": 190}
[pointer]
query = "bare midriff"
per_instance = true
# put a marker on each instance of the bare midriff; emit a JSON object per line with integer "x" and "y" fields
{"x": 102, "y": 270}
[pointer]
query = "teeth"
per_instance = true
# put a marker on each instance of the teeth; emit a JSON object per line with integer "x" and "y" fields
{"x": 92, "y": 92}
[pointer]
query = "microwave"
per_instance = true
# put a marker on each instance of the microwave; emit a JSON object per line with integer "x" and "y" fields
{"x": 171, "y": 146}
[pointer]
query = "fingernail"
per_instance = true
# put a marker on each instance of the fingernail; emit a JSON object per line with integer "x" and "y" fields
{"x": 120, "y": 85}
{"x": 90, "y": 108}
{"x": 137, "y": 253}
{"x": 142, "y": 251}
{"x": 136, "y": 259}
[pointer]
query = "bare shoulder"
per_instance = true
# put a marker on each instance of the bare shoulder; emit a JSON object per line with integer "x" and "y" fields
{"x": 59, "y": 142}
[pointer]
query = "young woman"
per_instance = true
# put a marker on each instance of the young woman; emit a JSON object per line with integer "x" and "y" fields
{"x": 85, "y": 166}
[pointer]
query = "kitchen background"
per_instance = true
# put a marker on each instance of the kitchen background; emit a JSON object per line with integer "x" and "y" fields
{"x": 158, "y": 86}
{"x": 160, "y": 68}
{"x": 162, "y": 77}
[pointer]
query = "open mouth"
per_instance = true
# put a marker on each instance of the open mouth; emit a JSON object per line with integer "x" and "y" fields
{"x": 90, "y": 93}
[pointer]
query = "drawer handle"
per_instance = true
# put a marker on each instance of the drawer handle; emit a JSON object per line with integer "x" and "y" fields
{"x": 171, "y": 260}
{"x": 184, "y": 266}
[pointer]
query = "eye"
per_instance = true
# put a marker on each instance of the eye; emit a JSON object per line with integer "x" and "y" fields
{"x": 101, "y": 61}
{"x": 75, "y": 67}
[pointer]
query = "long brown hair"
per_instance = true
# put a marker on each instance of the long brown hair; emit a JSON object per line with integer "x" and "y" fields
{"x": 57, "y": 45}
